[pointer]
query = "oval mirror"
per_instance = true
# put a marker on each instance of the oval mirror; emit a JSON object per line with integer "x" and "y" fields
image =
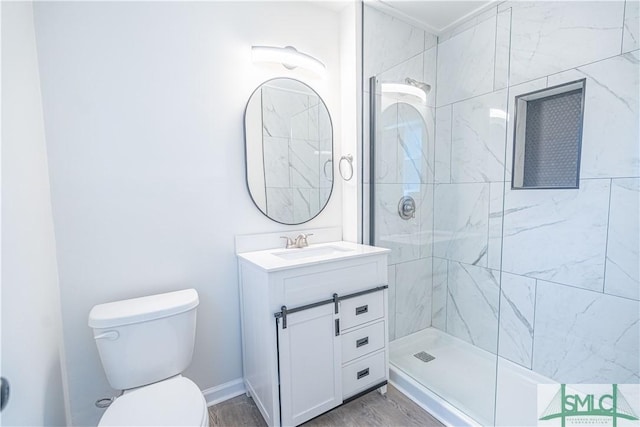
{"x": 289, "y": 151}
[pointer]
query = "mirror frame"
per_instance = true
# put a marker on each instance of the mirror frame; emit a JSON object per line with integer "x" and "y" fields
{"x": 246, "y": 163}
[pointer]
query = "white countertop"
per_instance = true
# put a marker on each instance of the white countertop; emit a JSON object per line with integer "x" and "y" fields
{"x": 269, "y": 260}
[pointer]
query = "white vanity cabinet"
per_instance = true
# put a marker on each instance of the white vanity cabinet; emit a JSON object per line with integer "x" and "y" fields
{"x": 314, "y": 327}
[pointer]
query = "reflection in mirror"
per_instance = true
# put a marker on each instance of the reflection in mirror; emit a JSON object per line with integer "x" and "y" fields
{"x": 289, "y": 151}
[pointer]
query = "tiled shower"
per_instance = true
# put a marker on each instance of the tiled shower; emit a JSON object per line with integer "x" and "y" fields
{"x": 546, "y": 280}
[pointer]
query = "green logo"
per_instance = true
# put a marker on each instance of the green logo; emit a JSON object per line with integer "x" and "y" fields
{"x": 566, "y": 405}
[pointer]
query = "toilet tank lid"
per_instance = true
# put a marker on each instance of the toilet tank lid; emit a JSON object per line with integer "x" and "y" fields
{"x": 142, "y": 309}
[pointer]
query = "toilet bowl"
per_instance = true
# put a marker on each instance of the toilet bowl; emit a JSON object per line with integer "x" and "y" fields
{"x": 144, "y": 345}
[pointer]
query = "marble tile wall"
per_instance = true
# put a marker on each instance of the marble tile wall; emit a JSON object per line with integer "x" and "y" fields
{"x": 388, "y": 42}
{"x": 610, "y": 146}
{"x": 517, "y": 305}
{"x": 549, "y": 37}
{"x": 461, "y": 220}
{"x": 442, "y": 155}
{"x": 391, "y": 231}
{"x": 478, "y": 138}
{"x": 496, "y": 221}
{"x": 503, "y": 47}
{"x": 566, "y": 261}
{"x": 631, "y": 34}
{"x": 391, "y": 282}
{"x": 472, "y": 304}
{"x": 622, "y": 270}
{"x": 413, "y": 296}
{"x": 584, "y": 336}
{"x": 439, "y": 293}
{"x": 572, "y": 226}
{"x": 465, "y": 63}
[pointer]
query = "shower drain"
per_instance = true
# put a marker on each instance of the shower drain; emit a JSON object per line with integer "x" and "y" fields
{"x": 424, "y": 356}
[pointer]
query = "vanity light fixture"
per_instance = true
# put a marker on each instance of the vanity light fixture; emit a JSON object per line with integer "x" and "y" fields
{"x": 289, "y": 57}
{"x": 404, "y": 89}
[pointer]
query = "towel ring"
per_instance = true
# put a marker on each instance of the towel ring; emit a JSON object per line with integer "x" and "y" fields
{"x": 349, "y": 159}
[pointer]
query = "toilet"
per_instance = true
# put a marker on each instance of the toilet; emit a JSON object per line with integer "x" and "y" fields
{"x": 145, "y": 344}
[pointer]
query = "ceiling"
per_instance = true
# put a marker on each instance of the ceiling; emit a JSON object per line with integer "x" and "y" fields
{"x": 436, "y": 16}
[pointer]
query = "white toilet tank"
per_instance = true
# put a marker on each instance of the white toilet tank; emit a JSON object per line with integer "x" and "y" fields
{"x": 145, "y": 340}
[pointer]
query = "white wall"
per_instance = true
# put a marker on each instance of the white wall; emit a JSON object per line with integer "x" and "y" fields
{"x": 350, "y": 79}
{"x": 31, "y": 324}
{"x": 143, "y": 107}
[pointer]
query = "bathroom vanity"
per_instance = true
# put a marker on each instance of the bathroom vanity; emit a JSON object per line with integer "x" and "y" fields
{"x": 314, "y": 327}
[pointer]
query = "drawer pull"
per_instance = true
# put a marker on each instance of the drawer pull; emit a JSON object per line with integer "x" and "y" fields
{"x": 363, "y": 373}
{"x": 362, "y": 309}
{"x": 362, "y": 341}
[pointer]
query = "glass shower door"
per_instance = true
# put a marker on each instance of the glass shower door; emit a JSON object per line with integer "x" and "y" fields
{"x": 443, "y": 304}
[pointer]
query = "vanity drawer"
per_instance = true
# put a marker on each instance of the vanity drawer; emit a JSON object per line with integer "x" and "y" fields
{"x": 358, "y": 310}
{"x": 362, "y": 341}
{"x": 362, "y": 374}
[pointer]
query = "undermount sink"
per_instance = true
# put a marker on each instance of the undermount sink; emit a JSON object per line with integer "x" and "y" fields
{"x": 309, "y": 252}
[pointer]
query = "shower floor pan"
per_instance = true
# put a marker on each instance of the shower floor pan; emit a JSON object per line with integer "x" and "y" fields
{"x": 458, "y": 385}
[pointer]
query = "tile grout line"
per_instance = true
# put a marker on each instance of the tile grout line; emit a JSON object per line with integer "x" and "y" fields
{"x": 535, "y": 309}
{"x": 495, "y": 51}
{"x": 446, "y": 295}
{"x": 489, "y": 221}
{"x": 433, "y": 192}
{"x": 507, "y": 182}
{"x": 446, "y": 301}
{"x": 411, "y": 260}
{"x": 451, "y": 145}
{"x": 543, "y": 280}
{"x": 472, "y": 21}
{"x": 624, "y": 17}
{"x": 412, "y": 57}
{"x": 395, "y": 302}
{"x": 435, "y": 84}
{"x": 606, "y": 244}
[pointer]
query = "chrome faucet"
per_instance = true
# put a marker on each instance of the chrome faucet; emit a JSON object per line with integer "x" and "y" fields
{"x": 299, "y": 242}
{"x": 290, "y": 243}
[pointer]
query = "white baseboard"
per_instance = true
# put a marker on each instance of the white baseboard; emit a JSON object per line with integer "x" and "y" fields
{"x": 224, "y": 391}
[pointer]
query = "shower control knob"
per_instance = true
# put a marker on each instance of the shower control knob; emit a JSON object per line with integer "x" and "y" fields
{"x": 407, "y": 207}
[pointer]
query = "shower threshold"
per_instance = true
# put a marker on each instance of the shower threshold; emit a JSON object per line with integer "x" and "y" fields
{"x": 458, "y": 385}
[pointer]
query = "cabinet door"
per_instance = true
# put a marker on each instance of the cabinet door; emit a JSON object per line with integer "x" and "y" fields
{"x": 310, "y": 364}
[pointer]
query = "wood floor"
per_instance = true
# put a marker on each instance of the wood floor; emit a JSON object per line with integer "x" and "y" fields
{"x": 371, "y": 410}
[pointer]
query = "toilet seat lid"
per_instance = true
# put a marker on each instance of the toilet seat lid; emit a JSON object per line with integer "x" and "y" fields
{"x": 174, "y": 402}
